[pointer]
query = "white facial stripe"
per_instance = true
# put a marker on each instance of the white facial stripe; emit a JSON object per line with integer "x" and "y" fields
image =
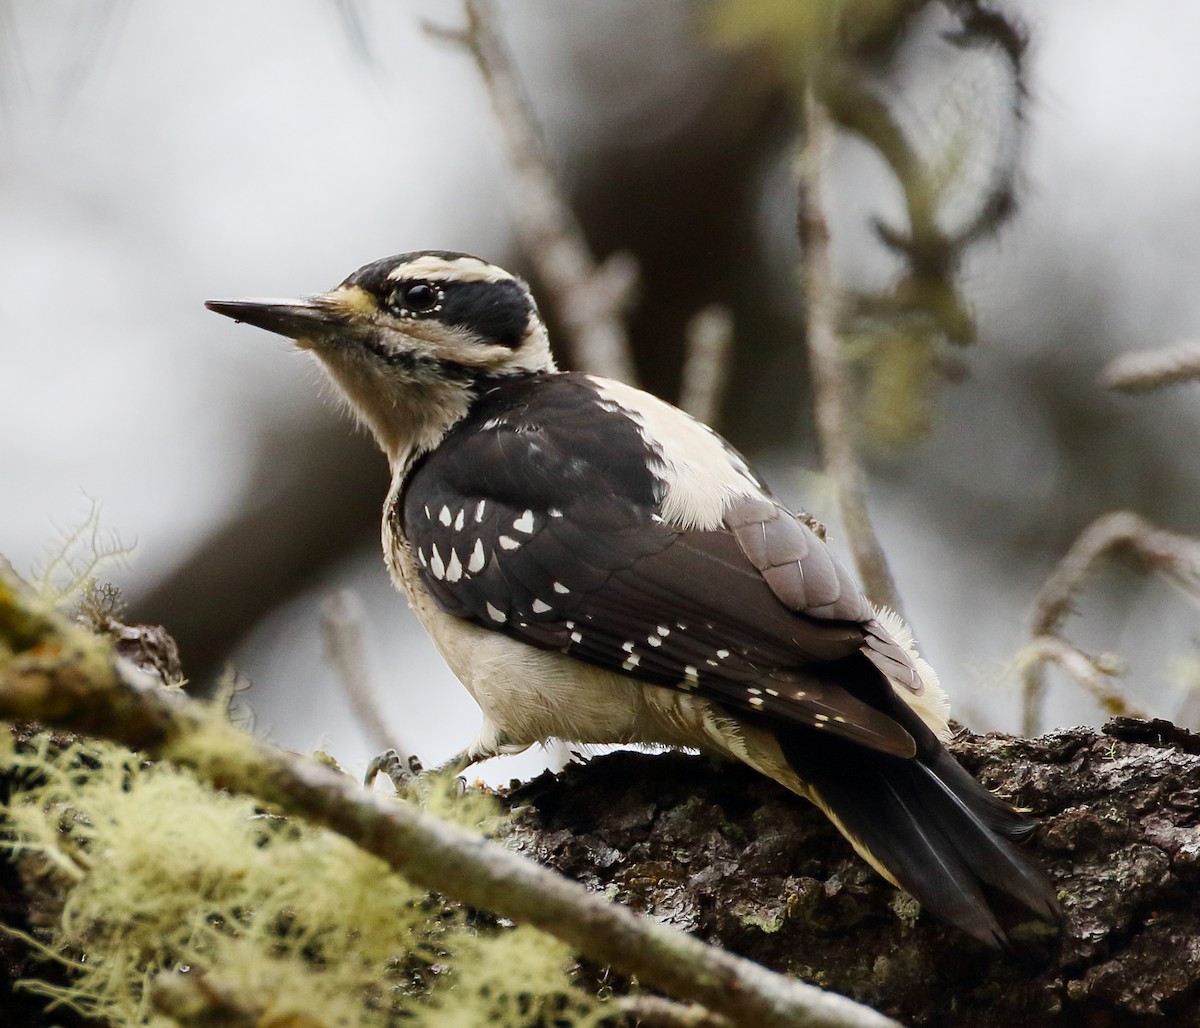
{"x": 461, "y": 269}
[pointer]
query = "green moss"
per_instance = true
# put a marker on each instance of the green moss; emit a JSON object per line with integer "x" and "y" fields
{"x": 162, "y": 879}
{"x": 765, "y": 921}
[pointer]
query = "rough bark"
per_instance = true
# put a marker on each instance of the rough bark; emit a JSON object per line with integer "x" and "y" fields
{"x": 726, "y": 854}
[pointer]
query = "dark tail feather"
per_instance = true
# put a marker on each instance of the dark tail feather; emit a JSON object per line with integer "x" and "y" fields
{"x": 937, "y": 831}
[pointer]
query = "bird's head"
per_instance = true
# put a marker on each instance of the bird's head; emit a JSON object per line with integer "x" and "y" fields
{"x": 411, "y": 339}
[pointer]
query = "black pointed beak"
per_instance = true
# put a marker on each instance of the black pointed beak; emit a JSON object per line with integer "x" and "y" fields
{"x": 297, "y": 319}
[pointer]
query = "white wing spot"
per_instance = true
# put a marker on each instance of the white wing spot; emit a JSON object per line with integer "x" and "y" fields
{"x": 539, "y": 607}
{"x": 458, "y": 520}
{"x": 756, "y": 701}
{"x": 444, "y": 515}
{"x": 576, "y": 637}
{"x": 554, "y": 512}
{"x": 480, "y": 507}
{"x": 690, "y": 671}
{"x": 524, "y": 523}
{"x": 840, "y": 720}
{"x": 663, "y": 630}
{"x": 427, "y": 514}
{"x": 772, "y": 692}
{"x": 496, "y": 614}
{"x": 570, "y": 624}
{"x": 478, "y": 558}
{"x": 454, "y": 568}
{"x": 688, "y": 683}
{"x": 627, "y": 647}
{"x": 631, "y": 663}
{"x": 711, "y": 663}
{"x": 800, "y": 694}
{"x": 508, "y": 543}
{"x": 560, "y": 588}
{"x": 754, "y": 692}
{"x": 822, "y": 717}
{"x": 422, "y": 558}
{"x": 436, "y": 565}
{"x": 722, "y": 654}
{"x": 653, "y": 640}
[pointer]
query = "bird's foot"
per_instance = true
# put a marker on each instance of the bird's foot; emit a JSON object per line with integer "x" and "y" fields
{"x": 409, "y": 776}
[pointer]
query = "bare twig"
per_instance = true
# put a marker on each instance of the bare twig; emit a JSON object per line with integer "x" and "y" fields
{"x": 1175, "y": 557}
{"x": 341, "y": 629}
{"x": 1094, "y": 674}
{"x": 1153, "y": 369}
{"x": 656, "y": 1012}
{"x": 830, "y": 388}
{"x": 590, "y": 299}
{"x": 55, "y": 672}
{"x": 709, "y": 342}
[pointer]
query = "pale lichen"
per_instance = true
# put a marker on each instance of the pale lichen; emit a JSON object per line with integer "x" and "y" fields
{"x": 162, "y": 880}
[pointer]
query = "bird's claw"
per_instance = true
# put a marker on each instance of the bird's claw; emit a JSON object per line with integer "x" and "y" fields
{"x": 409, "y": 776}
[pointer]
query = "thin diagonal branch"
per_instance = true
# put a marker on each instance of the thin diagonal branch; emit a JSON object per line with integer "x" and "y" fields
{"x": 55, "y": 672}
{"x": 589, "y": 298}
{"x": 827, "y": 366}
{"x": 1175, "y": 557}
{"x": 342, "y": 631}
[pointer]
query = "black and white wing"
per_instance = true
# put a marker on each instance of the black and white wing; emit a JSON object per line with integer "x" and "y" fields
{"x": 541, "y": 517}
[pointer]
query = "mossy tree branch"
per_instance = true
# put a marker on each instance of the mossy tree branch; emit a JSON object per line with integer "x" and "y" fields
{"x": 56, "y": 672}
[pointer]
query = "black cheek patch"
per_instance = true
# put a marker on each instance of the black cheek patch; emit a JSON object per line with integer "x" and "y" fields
{"x": 495, "y": 311}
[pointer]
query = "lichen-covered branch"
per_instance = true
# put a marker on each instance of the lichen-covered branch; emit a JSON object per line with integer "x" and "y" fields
{"x": 590, "y": 298}
{"x": 1174, "y": 556}
{"x": 1153, "y": 369}
{"x": 827, "y": 363}
{"x": 59, "y": 674}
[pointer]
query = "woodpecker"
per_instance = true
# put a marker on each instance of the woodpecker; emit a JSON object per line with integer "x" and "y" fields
{"x": 598, "y": 567}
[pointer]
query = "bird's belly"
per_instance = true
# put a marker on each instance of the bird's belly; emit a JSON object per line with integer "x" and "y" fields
{"x": 532, "y": 695}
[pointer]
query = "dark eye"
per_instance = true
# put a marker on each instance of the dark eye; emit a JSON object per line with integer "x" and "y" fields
{"x": 417, "y": 298}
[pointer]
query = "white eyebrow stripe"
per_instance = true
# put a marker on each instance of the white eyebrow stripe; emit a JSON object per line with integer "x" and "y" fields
{"x": 461, "y": 269}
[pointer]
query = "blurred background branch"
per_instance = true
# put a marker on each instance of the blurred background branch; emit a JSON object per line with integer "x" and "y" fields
{"x": 826, "y": 361}
{"x": 1174, "y": 557}
{"x": 1153, "y": 369}
{"x": 590, "y": 298}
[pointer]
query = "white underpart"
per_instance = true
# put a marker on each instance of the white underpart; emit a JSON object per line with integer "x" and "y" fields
{"x": 701, "y": 475}
{"x": 932, "y": 705}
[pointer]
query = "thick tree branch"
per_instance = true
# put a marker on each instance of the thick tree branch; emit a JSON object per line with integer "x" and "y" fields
{"x": 730, "y": 856}
{"x": 57, "y": 673}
